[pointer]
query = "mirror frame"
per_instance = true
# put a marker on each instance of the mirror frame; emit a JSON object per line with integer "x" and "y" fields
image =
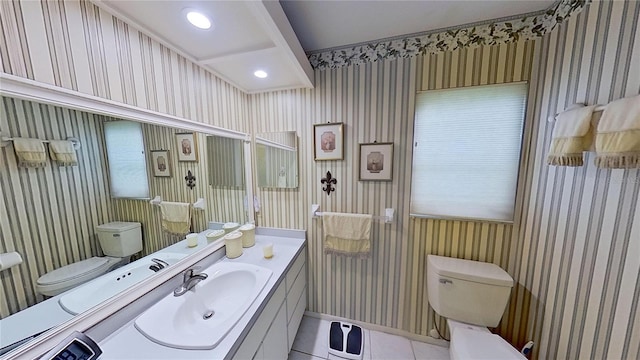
{"x": 26, "y": 89}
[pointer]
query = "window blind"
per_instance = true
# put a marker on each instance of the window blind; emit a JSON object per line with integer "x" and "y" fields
{"x": 466, "y": 155}
{"x": 126, "y": 159}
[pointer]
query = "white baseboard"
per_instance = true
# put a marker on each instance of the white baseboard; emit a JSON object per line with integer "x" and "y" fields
{"x": 384, "y": 329}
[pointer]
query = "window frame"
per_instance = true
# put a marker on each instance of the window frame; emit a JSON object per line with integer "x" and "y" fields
{"x": 525, "y": 138}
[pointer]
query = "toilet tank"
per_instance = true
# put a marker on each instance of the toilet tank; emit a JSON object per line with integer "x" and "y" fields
{"x": 120, "y": 239}
{"x": 468, "y": 291}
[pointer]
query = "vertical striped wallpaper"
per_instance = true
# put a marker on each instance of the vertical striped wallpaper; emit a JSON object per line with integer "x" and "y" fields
{"x": 375, "y": 101}
{"x": 578, "y": 252}
{"x": 76, "y": 45}
{"x": 48, "y": 215}
{"x": 573, "y": 248}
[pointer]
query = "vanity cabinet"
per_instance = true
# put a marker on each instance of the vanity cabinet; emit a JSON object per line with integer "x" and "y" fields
{"x": 272, "y": 335}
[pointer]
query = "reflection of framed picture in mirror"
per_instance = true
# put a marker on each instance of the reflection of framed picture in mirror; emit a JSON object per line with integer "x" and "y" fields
{"x": 376, "y": 162}
{"x": 161, "y": 163}
{"x": 328, "y": 141}
{"x": 187, "y": 147}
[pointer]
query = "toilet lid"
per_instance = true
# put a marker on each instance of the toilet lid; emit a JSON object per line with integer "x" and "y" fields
{"x": 72, "y": 271}
{"x": 472, "y": 344}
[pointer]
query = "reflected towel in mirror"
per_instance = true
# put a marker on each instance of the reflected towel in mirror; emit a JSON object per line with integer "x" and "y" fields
{"x": 176, "y": 217}
{"x": 30, "y": 152}
{"x": 62, "y": 152}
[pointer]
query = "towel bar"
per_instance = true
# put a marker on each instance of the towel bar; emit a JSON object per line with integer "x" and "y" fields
{"x": 598, "y": 108}
{"x": 387, "y": 219}
{"x": 5, "y": 140}
{"x": 200, "y": 204}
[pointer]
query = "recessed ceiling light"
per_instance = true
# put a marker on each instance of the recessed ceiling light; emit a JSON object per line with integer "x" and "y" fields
{"x": 198, "y": 19}
{"x": 261, "y": 74}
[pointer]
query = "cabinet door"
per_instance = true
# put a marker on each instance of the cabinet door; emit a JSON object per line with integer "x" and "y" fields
{"x": 274, "y": 345}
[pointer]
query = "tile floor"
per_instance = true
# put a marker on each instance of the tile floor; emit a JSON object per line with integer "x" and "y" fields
{"x": 311, "y": 343}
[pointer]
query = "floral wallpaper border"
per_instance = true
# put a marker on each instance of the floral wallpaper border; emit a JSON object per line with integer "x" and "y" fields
{"x": 502, "y": 32}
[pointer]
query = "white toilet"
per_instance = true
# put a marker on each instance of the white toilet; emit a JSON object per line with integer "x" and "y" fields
{"x": 472, "y": 295}
{"x": 118, "y": 240}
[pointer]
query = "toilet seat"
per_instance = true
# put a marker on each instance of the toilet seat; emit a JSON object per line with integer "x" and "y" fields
{"x": 69, "y": 276}
{"x": 473, "y": 344}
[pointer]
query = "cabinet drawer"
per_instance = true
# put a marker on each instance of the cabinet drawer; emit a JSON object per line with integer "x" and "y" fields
{"x": 292, "y": 274}
{"x": 296, "y": 290}
{"x": 294, "y": 324}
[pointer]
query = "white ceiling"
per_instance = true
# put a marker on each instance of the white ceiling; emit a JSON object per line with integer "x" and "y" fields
{"x": 246, "y": 36}
{"x": 270, "y": 35}
{"x": 328, "y": 24}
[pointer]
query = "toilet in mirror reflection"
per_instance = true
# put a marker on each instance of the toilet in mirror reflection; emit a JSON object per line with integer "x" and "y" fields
{"x": 277, "y": 160}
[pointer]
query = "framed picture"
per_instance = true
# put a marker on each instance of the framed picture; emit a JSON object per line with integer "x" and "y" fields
{"x": 376, "y": 162}
{"x": 161, "y": 163}
{"x": 328, "y": 141}
{"x": 187, "y": 147}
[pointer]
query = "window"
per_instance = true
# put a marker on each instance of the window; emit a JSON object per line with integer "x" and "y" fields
{"x": 467, "y": 151}
{"x": 126, "y": 158}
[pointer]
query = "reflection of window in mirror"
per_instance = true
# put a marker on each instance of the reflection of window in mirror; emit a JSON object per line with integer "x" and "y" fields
{"x": 277, "y": 160}
{"x": 225, "y": 160}
{"x": 126, "y": 159}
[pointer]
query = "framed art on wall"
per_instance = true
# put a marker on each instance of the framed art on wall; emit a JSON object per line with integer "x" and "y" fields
{"x": 376, "y": 162}
{"x": 187, "y": 147}
{"x": 161, "y": 163}
{"x": 328, "y": 141}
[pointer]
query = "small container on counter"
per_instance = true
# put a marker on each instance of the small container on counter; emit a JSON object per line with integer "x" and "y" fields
{"x": 249, "y": 235}
{"x": 214, "y": 235}
{"x": 233, "y": 244}
{"x": 230, "y": 227}
{"x": 192, "y": 240}
{"x": 267, "y": 251}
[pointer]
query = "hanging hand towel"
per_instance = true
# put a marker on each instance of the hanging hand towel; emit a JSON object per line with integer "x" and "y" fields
{"x": 347, "y": 234}
{"x": 618, "y": 136}
{"x": 176, "y": 217}
{"x": 30, "y": 152}
{"x": 572, "y": 135}
{"x": 62, "y": 152}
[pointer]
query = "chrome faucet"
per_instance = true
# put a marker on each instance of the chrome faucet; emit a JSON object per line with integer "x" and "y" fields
{"x": 189, "y": 280}
{"x": 158, "y": 265}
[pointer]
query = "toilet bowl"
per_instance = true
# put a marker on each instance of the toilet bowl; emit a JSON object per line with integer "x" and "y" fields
{"x": 472, "y": 295}
{"x": 118, "y": 240}
{"x": 72, "y": 275}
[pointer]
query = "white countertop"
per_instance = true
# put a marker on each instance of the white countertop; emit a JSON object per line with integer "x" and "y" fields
{"x": 48, "y": 313}
{"x": 129, "y": 343}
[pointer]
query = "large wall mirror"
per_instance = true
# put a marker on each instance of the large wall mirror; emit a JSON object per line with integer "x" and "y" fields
{"x": 277, "y": 160}
{"x": 50, "y": 213}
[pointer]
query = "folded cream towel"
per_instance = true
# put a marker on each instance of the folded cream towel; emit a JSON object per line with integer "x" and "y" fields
{"x": 572, "y": 135}
{"x": 618, "y": 135}
{"x": 347, "y": 234}
{"x": 30, "y": 152}
{"x": 62, "y": 152}
{"x": 176, "y": 217}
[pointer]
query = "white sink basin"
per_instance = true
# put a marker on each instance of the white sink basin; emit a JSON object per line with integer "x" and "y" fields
{"x": 90, "y": 294}
{"x": 202, "y": 317}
